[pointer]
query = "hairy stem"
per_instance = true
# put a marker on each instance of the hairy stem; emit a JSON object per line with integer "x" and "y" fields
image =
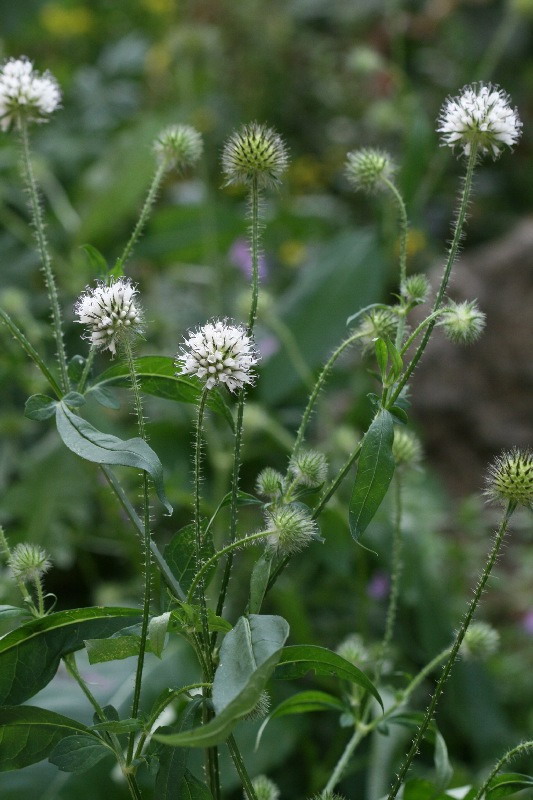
{"x": 396, "y": 573}
{"x": 359, "y": 733}
{"x": 145, "y": 213}
{"x": 520, "y": 749}
{"x": 30, "y": 351}
{"x": 86, "y": 369}
{"x": 402, "y": 211}
{"x": 241, "y": 769}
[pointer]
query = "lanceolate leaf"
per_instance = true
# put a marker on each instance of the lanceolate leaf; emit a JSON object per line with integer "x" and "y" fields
{"x": 302, "y": 703}
{"x": 507, "y": 783}
{"x": 374, "y": 473}
{"x": 103, "y": 448}
{"x": 157, "y": 376}
{"x": 29, "y": 734}
{"x": 79, "y": 752}
{"x": 30, "y": 655}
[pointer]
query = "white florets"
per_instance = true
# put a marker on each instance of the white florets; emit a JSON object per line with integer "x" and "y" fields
{"x": 110, "y": 312}
{"x": 219, "y": 353}
{"x": 481, "y": 114}
{"x": 26, "y": 93}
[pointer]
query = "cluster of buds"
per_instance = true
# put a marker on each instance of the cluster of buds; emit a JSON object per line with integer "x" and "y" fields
{"x": 415, "y": 289}
{"x": 379, "y": 323}
{"x": 111, "y": 313}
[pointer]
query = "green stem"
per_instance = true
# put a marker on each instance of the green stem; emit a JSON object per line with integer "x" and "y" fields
{"x": 396, "y": 573}
{"x": 241, "y": 769}
{"x": 31, "y": 352}
{"x": 254, "y": 252}
{"x": 219, "y": 554}
{"x": 452, "y": 255}
{"x": 42, "y": 247}
{"x": 86, "y": 369}
{"x": 198, "y": 539}
{"x": 26, "y": 597}
{"x": 498, "y": 538}
{"x": 418, "y": 330}
{"x": 403, "y": 228}
{"x": 520, "y": 749}
{"x": 145, "y": 213}
{"x": 40, "y": 596}
{"x": 359, "y": 733}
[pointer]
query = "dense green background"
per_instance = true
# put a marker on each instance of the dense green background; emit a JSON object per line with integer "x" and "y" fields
{"x": 330, "y": 75}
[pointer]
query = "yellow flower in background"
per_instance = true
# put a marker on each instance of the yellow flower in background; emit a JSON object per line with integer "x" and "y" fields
{"x": 158, "y": 6}
{"x": 416, "y": 242}
{"x": 292, "y": 252}
{"x": 66, "y": 22}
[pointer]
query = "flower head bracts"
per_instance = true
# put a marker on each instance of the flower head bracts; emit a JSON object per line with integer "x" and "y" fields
{"x": 110, "y": 312}
{"x": 480, "y": 115}
{"x": 26, "y": 93}
{"x": 219, "y": 353}
{"x": 254, "y": 152}
{"x": 178, "y": 147}
{"x": 510, "y": 478}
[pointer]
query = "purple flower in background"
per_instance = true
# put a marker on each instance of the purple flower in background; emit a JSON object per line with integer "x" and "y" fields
{"x": 239, "y": 255}
{"x": 378, "y": 586}
{"x": 527, "y": 622}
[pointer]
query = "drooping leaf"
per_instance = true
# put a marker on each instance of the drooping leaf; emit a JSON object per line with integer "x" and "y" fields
{"x": 40, "y": 407}
{"x": 180, "y": 555}
{"x": 374, "y": 473}
{"x": 79, "y": 752}
{"x": 103, "y": 448}
{"x": 157, "y": 376}
{"x": 443, "y": 768}
{"x": 30, "y": 655}
{"x": 29, "y": 734}
{"x": 297, "y": 660}
{"x": 302, "y": 703}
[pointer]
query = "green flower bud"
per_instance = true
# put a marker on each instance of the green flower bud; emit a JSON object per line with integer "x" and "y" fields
{"x": 254, "y": 152}
{"x": 261, "y": 708}
{"x": 510, "y": 478}
{"x": 481, "y": 641}
{"x": 28, "y": 562}
{"x": 265, "y": 789}
{"x": 415, "y": 289}
{"x": 328, "y": 796}
{"x": 406, "y": 448}
{"x": 366, "y": 169}
{"x": 290, "y": 529}
{"x": 463, "y": 323}
{"x": 178, "y": 147}
{"x": 309, "y": 468}
{"x": 377, "y": 324}
{"x": 269, "y": 483}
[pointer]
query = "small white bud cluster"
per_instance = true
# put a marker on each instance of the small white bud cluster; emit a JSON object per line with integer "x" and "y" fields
{"x": 290, "y": 528}
{"x": 309, "y": 468}
{"x": 480, "y": 115}
{"x": 110, "y": 312}
{"x": 26, "y": 93}
{"x": 178, "y": 147}
{"x": 463, "y": 323}
{"x": 481, "y": 641}
{"x": 28, "y": 562}
{"x": 367, "y": 169}
{"x": 254, "y": 152}
{"x": 218, "y": 353}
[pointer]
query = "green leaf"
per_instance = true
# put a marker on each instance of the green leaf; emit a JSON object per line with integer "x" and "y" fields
{"x": 6, "y": 612}
{"x": 180, "y": 555}
{"x": 40, "y": 407}
{"x": 395, "y": 360}
{"x": 74, "y": 399}
{"x": 193, "y": 789}
{"x": 381, "y": 357}
{"x": 78, "y": 753}
{"x": 157, "y": 631}
{"x": 508, "y": 783}
{"x": 95, "y": 259}
{"x": 443, "y": 768}
{"x": 258, "y": 637}
{"x": 115, "y": 648}
{"x": 29, "y": 734}
{"x": 400, "y": 414}
{"x": 102, "y": 448}
{"x": 75, "y": 368}
{"x": 104, "y": 397}
{"x": 297, "y": 660}
{"x": 259, "y": 582}
{"x": 30, "y": 655}
{"x": 157, "y": 376}
{"x": 188, "y": 617}
{"x": 374, "y": 473}
{"x": 173, "y": 760}
{"x": 119, "y": 726}
{"x": 302, "y": 703}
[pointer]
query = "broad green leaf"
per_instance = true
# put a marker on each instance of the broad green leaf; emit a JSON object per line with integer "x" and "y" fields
{"x": 74, "y": 399}
{"x": 157, "y": 631}
{"x": 188, "y": 617}
{"x": 79, "y": 752}
{"x": 253, "y": 640}
{"x": 119, "y": 726}
{"x": 115, "y": 648}
{"x": 302, "y": 703}
{"x": 259, "y": 582}
{"x": 30, "y": 655}
{"x": 508, "y": 783}
{"x": 157, "y": 376}
{"x": 374, "y": 473}
{"x": 180, "y": 555}
{"x": 40, "y": 407}
{"x": 105, "y": 397}
{"x": 29, "y": 734}
{"x": 103, "y": 448}
{"x": 400, "y": 414}
{"x": 297, "y": 660}
{"x": 6, "y": 612}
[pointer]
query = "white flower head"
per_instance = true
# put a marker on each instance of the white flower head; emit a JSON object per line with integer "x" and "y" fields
{"x": 26, "y": 93}
{"x": 110, "y": 313}
{"x": 481, "y": 114}
{"x": 219, "y": 353}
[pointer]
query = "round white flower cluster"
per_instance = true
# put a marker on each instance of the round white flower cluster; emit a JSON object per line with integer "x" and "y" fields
{"x": 480, "y": 115}
{"x": 26, "y": 93}
{"x": 218, "y": 353}
{"x": 110, "y": 312}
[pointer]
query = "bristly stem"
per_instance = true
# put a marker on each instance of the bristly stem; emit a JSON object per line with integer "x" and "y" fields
{"x": 145, "y": 213}
{"x": 138, "y": 406}
{"x": 30, "y": 351}
{"x": 241, "y": 769}
{"x": 520, "y": 749}
{"x": 86, "y": 369}
{"x": 452, "y": 255}
{"x": 198, "y": 536}
{"x": 42, "y": 247}
{"x": 396, "y": 572}
{"x": 498, "y": 539}
{"x": 403, "y": 228}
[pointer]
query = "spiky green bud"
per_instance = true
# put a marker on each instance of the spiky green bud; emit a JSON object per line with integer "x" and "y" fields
{"x": 379, "y": 323}
{"x": 415, "y": 289}
{"x": 463, "y": 322}
{"x": 265, "y": 789}
{"x": 367, "y": 169}
{"x": 28, "y": 562}
{"x": 406, "y": 448}
{"x": 309, "y": 468}
{"x": 254, "y": 152}
{"x": 510, "y": 478}
{"x": 481, "y": 641}
{"x": 289, "y": 529}
{"x": 178, "y": 147}
{"x": 269, "y": 483}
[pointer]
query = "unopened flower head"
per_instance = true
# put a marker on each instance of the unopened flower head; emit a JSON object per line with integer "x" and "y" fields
{"x": 219, "y": 353}
{"x": 379, "y": 323}
{"x": 309, "y": 468}
{"x": 28, "y": 562}
{"x": 353, "y": 649}
{"x": 110, "y": 312}
{"x": 178, "y": 147}
{"x": 327, "y": 795}
{"x": 290, "y": 529}
{"x": 261, "y": 708}
{"x": 406, "y": 448}
{"x": 367, "y": 169}
{"x": 265, "y": 789}
{"x": 510, "y": 478}
{"x": 480, "y": 115}
{"x": 269, "y": 483}
{"x": 481, "y": 641}
{"x": 26, "y": 93}
{"x": 254, "y": 152}
{"x": 415, "y": 289}
{"x": 463, "y": 323}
